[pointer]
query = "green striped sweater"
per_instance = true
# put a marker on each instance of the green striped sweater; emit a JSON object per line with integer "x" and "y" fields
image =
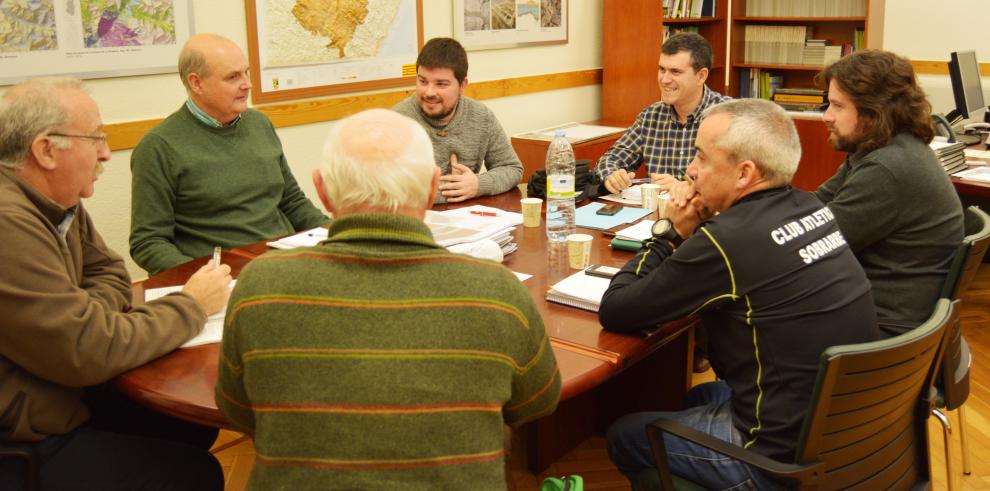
{"x": 378, "y": 360}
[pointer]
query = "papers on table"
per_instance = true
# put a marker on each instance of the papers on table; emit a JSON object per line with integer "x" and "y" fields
{"x": 981, "y": 174}
{"x": 308, "y": 238}
{"x": 585, "y": 216}
{"x": 579, "y": 290}
{"x": 977, "y": 154}
{"x": 576, "y": 132}
{"x": 213, "y": 329}
{"x": 641, "y": 231}
{"x": 463, "y": 226}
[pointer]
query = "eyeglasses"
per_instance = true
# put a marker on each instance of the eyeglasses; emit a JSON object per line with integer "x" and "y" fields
{"x": 100, "y": 139}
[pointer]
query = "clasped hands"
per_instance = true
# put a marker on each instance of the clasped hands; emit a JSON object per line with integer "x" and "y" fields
{"x": 460, "y": 184}
{"x": 685, "y": 209}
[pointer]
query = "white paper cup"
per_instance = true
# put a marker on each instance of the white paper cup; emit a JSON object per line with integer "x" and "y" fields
{"x": 579, "y": 250}
{"x": 662, "y": 205}
{"x": 650, "y": 195}
{"x": 531, "y": 209}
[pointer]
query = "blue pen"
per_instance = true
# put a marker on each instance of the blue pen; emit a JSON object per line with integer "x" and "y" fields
{"x": 641, "y": 180}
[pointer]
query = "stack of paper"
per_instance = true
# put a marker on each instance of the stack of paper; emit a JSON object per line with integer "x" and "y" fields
{"x": 574, "y": 132}
{"x": 639, "y": 232}
{"x": 579, "y": 290}
{"x": 952, "y": 156}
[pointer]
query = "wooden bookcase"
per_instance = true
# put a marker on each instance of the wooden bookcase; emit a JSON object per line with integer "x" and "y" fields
{"x": 632, "y": 35}
{"x": 837, "y": 30}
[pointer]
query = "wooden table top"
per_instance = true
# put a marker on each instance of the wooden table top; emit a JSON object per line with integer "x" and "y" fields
{"x": 181, "y": 383}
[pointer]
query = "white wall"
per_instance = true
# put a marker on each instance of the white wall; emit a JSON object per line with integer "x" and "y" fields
{"x": 927, "y": 30}
{"x": 136, "y": 98}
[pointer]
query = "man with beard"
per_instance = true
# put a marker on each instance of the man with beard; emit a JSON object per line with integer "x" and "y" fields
{"x": 894, "y": 204}
{"x": 465, "y": 133}
{"x": 663, "y": 134}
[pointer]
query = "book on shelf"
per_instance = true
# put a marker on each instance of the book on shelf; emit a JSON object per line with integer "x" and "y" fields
{"x": 776, "y": 45}
{"x": 688, "y": 9}
{"x": 799, "y": 98}
{"x": 579, "y": 290}
{"x": 806, "y": 8}
{"x": 671, "y": 30}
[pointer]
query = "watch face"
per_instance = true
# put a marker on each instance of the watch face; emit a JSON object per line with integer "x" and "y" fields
{"x": 660, "y": 227}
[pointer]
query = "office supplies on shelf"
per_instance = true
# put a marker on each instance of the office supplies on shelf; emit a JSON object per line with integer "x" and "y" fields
{"x": 579, "y": 290}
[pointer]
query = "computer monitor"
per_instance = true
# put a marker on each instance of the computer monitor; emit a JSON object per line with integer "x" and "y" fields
{"x": 964, "y": 72}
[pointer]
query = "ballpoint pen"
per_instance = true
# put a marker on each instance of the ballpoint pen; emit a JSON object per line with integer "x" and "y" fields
{"x": 688, "y": 179}
{"x": 484, "y": 213}
{"x": 216, "y": 257}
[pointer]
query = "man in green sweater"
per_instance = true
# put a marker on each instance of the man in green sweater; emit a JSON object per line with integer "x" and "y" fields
{"x": 377, "y": 359}
{"x": 464, "y": 132}
{"x": 213, "y": 173}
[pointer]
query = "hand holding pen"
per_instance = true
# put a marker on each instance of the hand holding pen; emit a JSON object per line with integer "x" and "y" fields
{"x": 210, "y": 285}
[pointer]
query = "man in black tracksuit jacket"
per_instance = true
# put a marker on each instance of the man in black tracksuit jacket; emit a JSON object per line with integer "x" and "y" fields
{"x": 774, "y": 283}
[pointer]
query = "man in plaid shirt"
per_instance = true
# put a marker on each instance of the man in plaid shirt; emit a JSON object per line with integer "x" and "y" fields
{"x": 663, "y": 134}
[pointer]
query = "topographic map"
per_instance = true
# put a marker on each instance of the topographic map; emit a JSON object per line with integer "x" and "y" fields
{"x": 322, "y": 31}
{"x": 108, "y": 23}
{"x": 27, "y": 25}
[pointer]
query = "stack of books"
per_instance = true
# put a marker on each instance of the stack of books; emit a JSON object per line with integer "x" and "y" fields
{"x": 952, "y": 156}
{"x": 806, "y": 8}
{"x": 688, "y": 9}
{"x": 755, "y": 82}
{"x": 776, "y": 45}
{"x": 798, "y": 99}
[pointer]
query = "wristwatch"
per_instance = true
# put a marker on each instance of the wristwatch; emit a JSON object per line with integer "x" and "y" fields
{"x": 664, "y": 229}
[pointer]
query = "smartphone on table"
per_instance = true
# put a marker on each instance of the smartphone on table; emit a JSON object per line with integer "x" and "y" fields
{"x": 609, "y": 209}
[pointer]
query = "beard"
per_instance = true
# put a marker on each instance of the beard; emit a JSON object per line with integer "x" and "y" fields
{"x": 440, "y": 115}
{"x": 842, "y": 143}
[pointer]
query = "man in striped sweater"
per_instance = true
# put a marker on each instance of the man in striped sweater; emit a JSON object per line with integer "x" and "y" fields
{"x": 377, "y": 359}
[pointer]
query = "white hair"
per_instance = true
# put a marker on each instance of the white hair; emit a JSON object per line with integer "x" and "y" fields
{"x": 378, "y": 158}
{"x": 28, "y": 110}
{"x": 761, "y": 131}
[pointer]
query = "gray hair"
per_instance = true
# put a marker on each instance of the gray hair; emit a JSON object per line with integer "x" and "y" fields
{"x": 378, "y": 158}
{"x": 760, "y": 131}
{"x": 30, "y": 109}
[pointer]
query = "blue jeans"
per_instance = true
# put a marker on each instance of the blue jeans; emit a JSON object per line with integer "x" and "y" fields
{"x": 707, "y": 409}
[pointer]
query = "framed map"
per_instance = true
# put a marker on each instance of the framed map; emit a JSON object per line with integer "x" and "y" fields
{"x": 490, "y": 24}
{"x": 91, "y": 38}
{"x": 309, "y": 48}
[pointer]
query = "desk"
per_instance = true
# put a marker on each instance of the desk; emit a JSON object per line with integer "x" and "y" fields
{"x": 533, "y": 153}
{"x": 604, "y": 374}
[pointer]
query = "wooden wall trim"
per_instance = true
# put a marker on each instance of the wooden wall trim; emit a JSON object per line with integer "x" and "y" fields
{"x": 123, "y": 136}
{"x": 927, "y": 67}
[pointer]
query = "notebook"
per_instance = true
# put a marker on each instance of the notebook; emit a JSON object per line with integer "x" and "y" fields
{"x": 579, "y": 290}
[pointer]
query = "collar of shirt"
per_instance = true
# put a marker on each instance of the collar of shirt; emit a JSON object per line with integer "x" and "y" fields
{"x": 63, "y": 226}
{"x": 708, "y": 98}
{"x": 206, "y": 118}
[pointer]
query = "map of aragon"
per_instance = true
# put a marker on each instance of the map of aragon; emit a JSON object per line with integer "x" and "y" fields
{"x": 301, "y": 32}
{"x": 27, "y": 25}
{"x": 335, "y": 19}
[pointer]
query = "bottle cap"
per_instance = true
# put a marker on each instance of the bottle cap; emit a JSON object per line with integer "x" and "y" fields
{"x": 559, "y": 133}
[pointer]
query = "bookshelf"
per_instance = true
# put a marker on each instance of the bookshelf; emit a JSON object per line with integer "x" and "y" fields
{"x": 632, "y": 35}
{"x": 837, "y": 31}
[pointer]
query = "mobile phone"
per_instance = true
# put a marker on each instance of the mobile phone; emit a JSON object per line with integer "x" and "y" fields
{"x": 609, "y": 209}
{"x": 601, "y": 271}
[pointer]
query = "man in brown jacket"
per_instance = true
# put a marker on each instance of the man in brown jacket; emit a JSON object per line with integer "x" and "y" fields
{"x": 68, "y": 325}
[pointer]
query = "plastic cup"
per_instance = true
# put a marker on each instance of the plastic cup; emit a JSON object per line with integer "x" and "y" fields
{"x": 650, "y": 195}
{"x": 579, "y": 250}
{"x": 531, "y": 209}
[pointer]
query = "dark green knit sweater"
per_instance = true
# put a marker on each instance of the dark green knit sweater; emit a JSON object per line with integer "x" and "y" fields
{"x": 378, "y": 360}
{"x": 195, "y": 187}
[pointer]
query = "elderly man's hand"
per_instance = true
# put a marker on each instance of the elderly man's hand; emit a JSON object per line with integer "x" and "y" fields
{"x": 210, "y": 287}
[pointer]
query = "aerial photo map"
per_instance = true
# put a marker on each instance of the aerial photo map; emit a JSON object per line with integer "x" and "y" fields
{"x": 27, "y": 25}
{"x": 322, "y": 31}
{"x": 113, "y": 23}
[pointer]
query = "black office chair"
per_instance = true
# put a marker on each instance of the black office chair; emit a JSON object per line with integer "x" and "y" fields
{"x": 866, "y": 425}
{"x": 24, "y": 453}
{"x": 953, "y": 381}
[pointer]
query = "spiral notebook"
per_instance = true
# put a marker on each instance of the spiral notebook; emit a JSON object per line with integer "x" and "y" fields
{"x": 579, "y": 290}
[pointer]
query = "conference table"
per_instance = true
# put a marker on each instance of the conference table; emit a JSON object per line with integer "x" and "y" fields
{"x": 604, "y": 374}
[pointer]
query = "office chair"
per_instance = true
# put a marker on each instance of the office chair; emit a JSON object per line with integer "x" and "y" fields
{"x": 25, "y": 453}
{"x": 866, "y": 425}
{"x": 953, "y": 381}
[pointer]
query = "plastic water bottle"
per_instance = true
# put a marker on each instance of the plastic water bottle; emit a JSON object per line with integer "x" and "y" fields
{"x": 560, "y": 188}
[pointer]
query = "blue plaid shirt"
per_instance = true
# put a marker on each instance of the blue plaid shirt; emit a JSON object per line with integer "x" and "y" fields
{"x": 659, "y": 139}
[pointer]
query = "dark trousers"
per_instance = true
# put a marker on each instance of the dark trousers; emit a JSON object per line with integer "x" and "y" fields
{"x": 123, "y": 446}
